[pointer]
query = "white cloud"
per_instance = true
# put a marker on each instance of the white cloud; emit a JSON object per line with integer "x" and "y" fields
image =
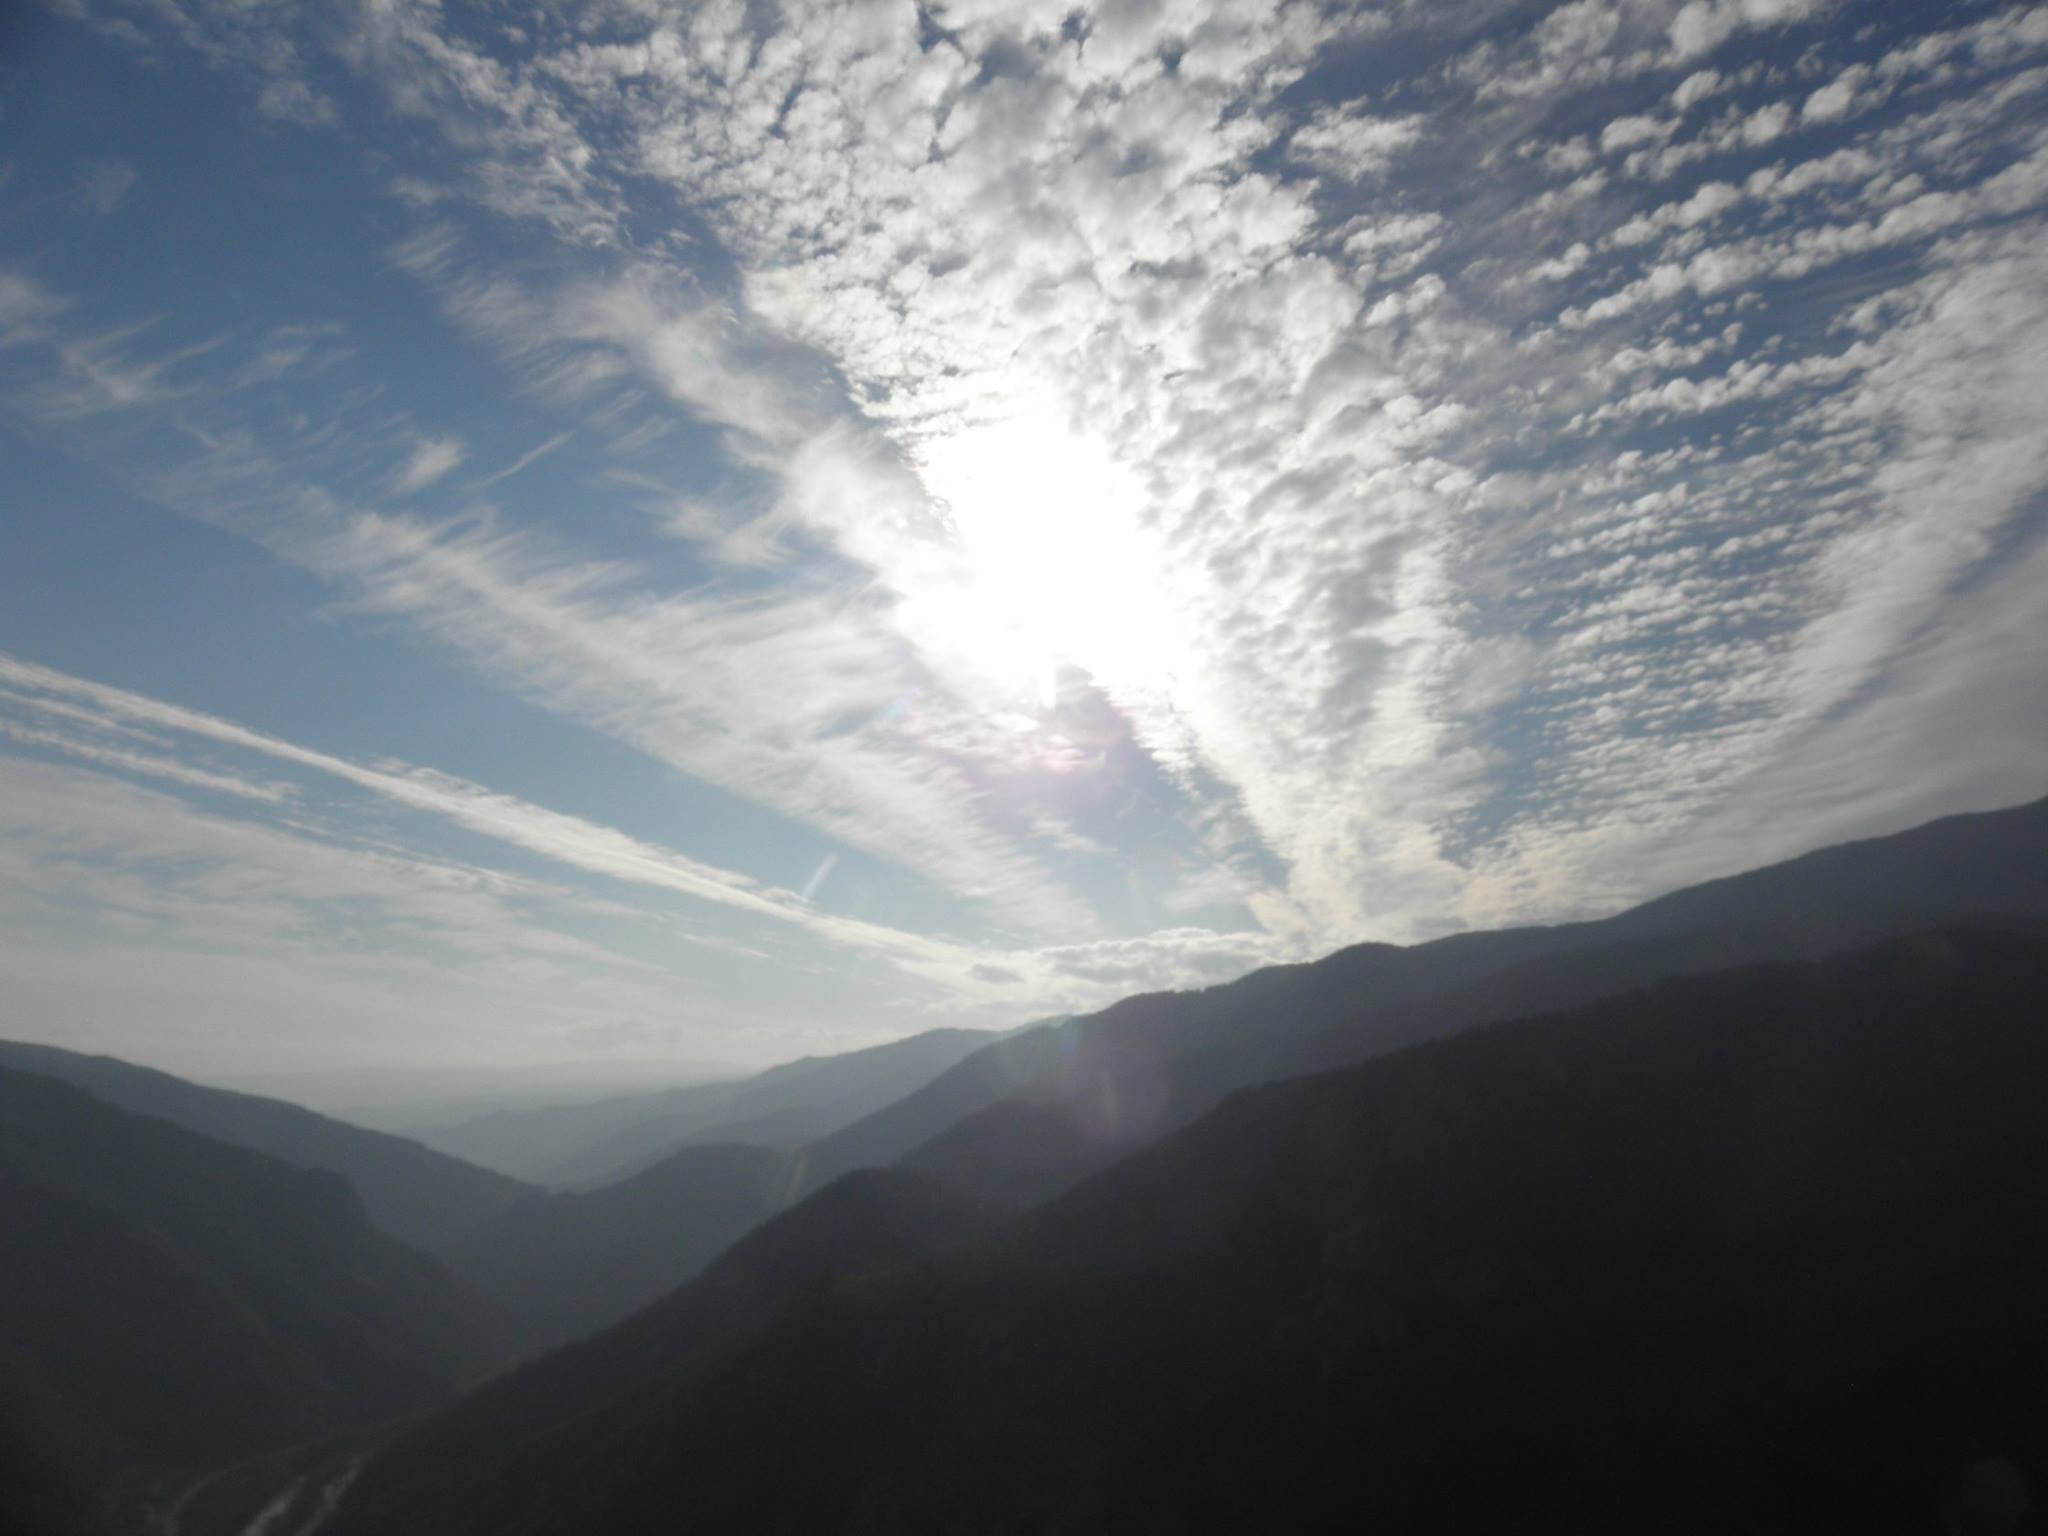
{"x": 1353, "y": 146}
{"x": 249, "y": 901}
{"x": 128, "y": 760}
{"x": 1628, "y": 132}
{"x": 527, "y": 459}
{"x": 1696, "y": 88}
{"x": 569, "y": 840}
{"x": 1701, "y": 26}
{"x": 1837, "y": 98}
{"x": 430, "y": 460}
{"x": 137, "y": 923}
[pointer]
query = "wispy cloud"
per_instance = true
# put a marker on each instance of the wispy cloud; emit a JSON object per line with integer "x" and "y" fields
{"x": 432, "y": 459}
{"x": 567, "y": 839}
{"x": 149, "y": 764}
{"x": 968, "y": 978}
{"x": 131, "y": 920}
{"x": 527, "y": 459}
{"x": 104, "y": 185}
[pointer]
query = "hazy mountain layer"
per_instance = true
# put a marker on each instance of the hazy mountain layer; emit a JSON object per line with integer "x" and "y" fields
{"x": 604, "y": 1140}
{"x": 423, "y": 1196}
{"x": 1756, "y": 1251}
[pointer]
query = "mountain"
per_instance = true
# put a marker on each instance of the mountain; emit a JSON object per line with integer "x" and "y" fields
{"x": 1099, "y": 1087}
{"x": 564, "y": 1264}
{"x": 466, "y": 1467}
{"x": 604, "y": 1140}
{"x": 1760, "y": 1250}
{"x": 172, "y": 1302}
{"x": 421, "y": 1196}
{"x": 36, "y": 1497}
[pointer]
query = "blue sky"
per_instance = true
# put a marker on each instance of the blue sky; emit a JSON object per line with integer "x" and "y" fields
{"x": 601, "y": 539}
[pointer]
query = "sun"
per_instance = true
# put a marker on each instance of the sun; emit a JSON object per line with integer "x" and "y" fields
{"x": 1056, "y": 564}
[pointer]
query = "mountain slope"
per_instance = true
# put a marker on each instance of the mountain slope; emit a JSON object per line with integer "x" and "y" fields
{"x": 172, "y": 1302}
{"x": 36, "y": 1498}
{"x": 1755, "y": 1251}
{"x": 1102, "y": 1086}
{"x": 469, "y": 1467}
{"x": 564, "y": 1264}
{"x": 588, "y": 1144}
{"x": 416, "y": 1194}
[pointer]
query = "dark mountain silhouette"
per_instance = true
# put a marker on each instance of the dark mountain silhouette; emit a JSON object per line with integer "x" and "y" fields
{"x": 422, "y": 1196}
{"x": 565, "y": 1264}
{"x": 37, "y": 1496}
{"x": 1759, "y": 1251}
{"x": 1096, "y": 1088}
{"x": 469, "y": 1466}
{"x": 169, "y": 1302}
{"x": 605, "y": 1140}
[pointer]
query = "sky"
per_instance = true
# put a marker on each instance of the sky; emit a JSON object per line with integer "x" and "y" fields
{"x": 539, "y": 542}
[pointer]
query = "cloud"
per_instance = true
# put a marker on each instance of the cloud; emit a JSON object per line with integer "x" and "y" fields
{"x": 1353, "y": 146}
{"x": 569, "y": 840}
{"x": 1064, "y": 362}
{"x": 527, "y": 459}
{"x": 1952, "y": 730}
{"x": 1162, "y": 960}
{"x": 1701, "y": 26}
{"x": 137, "y": 923}
{"x": 149, "y": 764}
{"x": 26, "y": 308}
{"x": 104, "y": 185}
{"x": 254, "y": 889}
{"x": 433, "y": 458}
{"x": 1196, "y": 271}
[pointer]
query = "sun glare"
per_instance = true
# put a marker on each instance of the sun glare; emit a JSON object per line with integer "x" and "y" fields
{"x": 1058, "y": 567}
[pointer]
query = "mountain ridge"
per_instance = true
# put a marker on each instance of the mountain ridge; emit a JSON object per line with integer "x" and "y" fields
{"x": 600, "y": 1141}
{"x": 1148, "y": 1063}
{"x": 416, "y": 1194}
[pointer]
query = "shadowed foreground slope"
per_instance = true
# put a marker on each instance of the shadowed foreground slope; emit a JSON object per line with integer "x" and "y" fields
{"x": 538, "y": 1430}
{"x": 564, "y": 1264}
{"x": 172, "y": 1303}
{"x": 1757, "y": 1251}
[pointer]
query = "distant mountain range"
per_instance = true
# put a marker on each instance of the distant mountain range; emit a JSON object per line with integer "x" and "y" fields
{"x": 584, "y": 1145}
{"x": 552, "y": 1266}
{"x": 541, "y": 1268}
{"x": 414, "y": 1193}
{"x": 1032, "y": 1113}
{"x": 1736, "y": 1228}
{"x": 1756, "y": 1251}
